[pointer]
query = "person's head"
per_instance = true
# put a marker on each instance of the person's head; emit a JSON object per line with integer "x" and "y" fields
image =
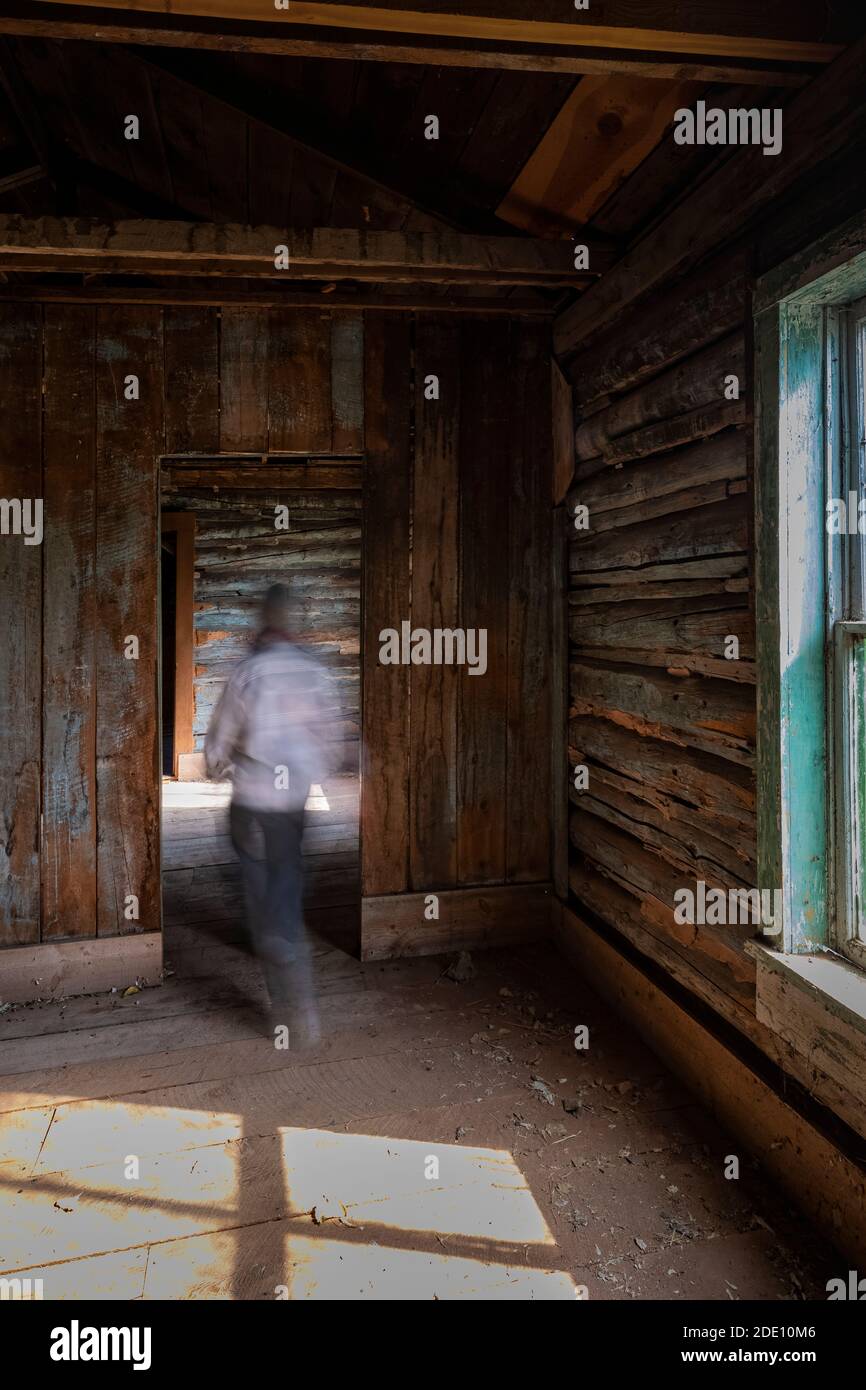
{"x": 277, "y": 610}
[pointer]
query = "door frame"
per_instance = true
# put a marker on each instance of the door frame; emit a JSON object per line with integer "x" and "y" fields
{"x": 183, "y": 525}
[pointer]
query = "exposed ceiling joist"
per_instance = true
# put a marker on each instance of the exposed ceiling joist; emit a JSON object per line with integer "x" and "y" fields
{"x": 603, "y": 132}
{"x": 325, "y": 253}
{"x": 21, "y": 178}
{"x": 675, "y": 48}
{"x": 219, "y": 293}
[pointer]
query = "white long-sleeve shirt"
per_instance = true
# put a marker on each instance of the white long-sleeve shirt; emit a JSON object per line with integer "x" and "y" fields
{"x": 269, "y": 726}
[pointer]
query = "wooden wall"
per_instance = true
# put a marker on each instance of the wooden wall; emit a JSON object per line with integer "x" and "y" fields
{"x": 456, "y": 783}
{"x": 665, "y": 724}
{"x": 238, "y": 553}
{"x": 457, "y": 514}
{"x": 79, "y": 831}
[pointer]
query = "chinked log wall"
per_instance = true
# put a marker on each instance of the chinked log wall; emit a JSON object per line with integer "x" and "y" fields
{"x": 239, "y": 551}
{"x": 663, "y": 461}
{"x": 457, "y": 516}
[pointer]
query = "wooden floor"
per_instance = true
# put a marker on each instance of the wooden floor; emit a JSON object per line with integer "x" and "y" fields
{"x": 158, "y": 1145}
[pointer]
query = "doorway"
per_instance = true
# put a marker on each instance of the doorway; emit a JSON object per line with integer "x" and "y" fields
{"x": 229, "y": 529}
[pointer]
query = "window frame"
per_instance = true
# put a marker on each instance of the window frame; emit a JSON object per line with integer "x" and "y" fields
{"x": 806, "y": 424}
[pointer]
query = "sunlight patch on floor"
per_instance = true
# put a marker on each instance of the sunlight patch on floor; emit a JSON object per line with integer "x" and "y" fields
{"x": 312, "y": 1267}
{"x": 404, "y": 1184}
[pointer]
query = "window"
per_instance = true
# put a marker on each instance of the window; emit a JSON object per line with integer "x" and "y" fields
{"x": 810, "y": 542}
{"x": 846, "y": 523}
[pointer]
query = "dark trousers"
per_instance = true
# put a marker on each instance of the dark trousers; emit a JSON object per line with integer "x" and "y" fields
{"x": 268, "y": 845}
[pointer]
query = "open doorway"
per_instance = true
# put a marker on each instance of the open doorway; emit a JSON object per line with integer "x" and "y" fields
{"x": 231, "y": 527}
{"x": 168, "y": 617}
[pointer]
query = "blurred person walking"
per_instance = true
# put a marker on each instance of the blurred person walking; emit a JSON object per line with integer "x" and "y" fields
{"x": 268, "y": 727}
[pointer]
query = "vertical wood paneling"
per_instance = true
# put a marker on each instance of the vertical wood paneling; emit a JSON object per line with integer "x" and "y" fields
{"x": 433, "y": 702}
{"x": 386, "y": 602}
{"x": 130, "y": 440}
{"x": 191, "y": 379}
{"x": 347, "y": 383}
{"x": 299, "y": 382}
{"x": 243, "y": 420}
{"x": 485, "y": 424}
{"x": 527, "y": 792}
{"x": 21, "y": 638}
{"x": 69, "y": 620}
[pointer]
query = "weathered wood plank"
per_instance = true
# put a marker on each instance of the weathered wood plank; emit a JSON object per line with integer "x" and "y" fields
{"x": 698, "y": 627}
{"x": 697, "y": 382}
{"x": 243, "y": 372}
{"x": 689, "y": 711}
{"x": 129, "y": 441}
{"x": 385, "y": 802}
{"x": 603, "y": 55}
{"x": 347, "y": 383}
{"x": 653, "y": 769}
{"x": 485, "y": 430}
{"x": 469, "y": 918}
{"x": 58, "y": 969}
{"x": 435, "y": 575}
{"x": 674, "y": 588}
{"x": 700, "y": 423}
{"x": 21, "y": 642}
{"x": 69, "y": 626}
{"x": 241, "y": 477}
{"x": 717, "y": 460}
{"x": 562, "y": 406}
{"x": 700, "y": 534}
{"x": 692, "y": 842}
{"x": 528, "y": 708}
{"x": 192, "y": 388}
{"x": 706, "y": 305}
{"x": 299, "y": 382}
{"x": 654, "y": 882}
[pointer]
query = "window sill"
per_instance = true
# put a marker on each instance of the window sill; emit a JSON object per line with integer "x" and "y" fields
{"x": 817, "y": 1003}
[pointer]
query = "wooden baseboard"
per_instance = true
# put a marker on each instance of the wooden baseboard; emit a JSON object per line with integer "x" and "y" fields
{"x": 55, "y": 970}
{"x": 823, "y": 1182}
{"x": 469, "y": 918}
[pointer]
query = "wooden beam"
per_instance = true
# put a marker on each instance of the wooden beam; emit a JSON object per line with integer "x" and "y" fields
{"x": 182, "y": 524}
{"x": 323, "y": 253}
{"x": 55, "y": 970}
{"x": 520, "y": 26}
{"x": 220, "y": 293}
{"x": 22, "y": 177}
{"x": 62, "y": 20}
{"x": 469, "y": 918}
{"x": 605, "y": 129}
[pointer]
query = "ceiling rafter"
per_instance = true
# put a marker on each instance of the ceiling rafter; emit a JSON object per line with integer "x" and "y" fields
{"x": 683, "y": 51}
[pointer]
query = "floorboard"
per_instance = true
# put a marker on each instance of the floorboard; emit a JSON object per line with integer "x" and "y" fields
{"x": 268, "y": 1173}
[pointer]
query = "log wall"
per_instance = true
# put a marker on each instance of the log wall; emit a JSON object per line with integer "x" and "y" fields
{"x": 661, "y": 578}
{"x": 239, "y": 552}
